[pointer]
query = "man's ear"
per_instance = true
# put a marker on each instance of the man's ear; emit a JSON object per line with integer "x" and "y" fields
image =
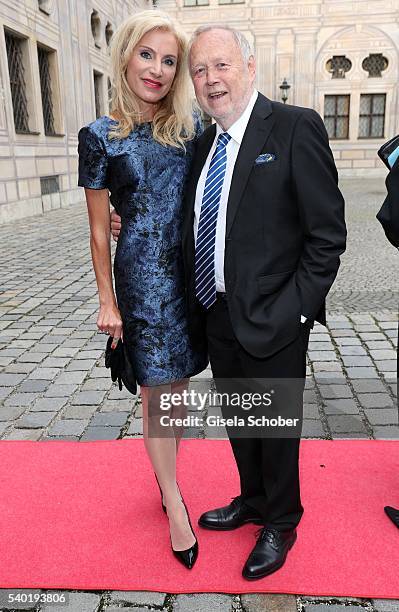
{"x": 252, "y": 66}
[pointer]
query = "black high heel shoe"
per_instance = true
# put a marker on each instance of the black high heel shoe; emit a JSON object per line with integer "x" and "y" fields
{"x": 189, "y": 556}
{"x": 160, "y": 490}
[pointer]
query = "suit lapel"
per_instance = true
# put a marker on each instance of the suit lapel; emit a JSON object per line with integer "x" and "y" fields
{"x": 258, "y": 130}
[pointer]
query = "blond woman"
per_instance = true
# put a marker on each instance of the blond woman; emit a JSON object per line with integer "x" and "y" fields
{"x": 139, "y": 157}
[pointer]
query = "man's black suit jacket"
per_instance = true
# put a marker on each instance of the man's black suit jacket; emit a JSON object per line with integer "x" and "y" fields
{"x": 285, "y": 228}
{"x": 388, "y": 216}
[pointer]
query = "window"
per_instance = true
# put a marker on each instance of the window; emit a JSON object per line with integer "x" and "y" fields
{"x": 196, "y": 2}
{"x": 16, "y": 68}
{"x": 374, "y": 64}
{"x": 95, "y": 24}
{"x": 46, "y": 6}
{"x": 372, "y": 116}
{"x": 108, "y": 33}
{"x": 49, "y": 184}
{"x": 231, "y": 1}
{"x": 46, "y": 90}
{"x": 336, "y": 116}
{"x": 109, "y": 89}
{"x": 338, "y": 65}
{"x": 97, "y": 93}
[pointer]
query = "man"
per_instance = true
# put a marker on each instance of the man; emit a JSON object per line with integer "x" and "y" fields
{"x": 388, "y": 216}
{"x": 262, "y": 240}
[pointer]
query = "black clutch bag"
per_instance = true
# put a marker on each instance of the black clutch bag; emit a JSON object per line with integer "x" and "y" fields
{"x": 122, "y": 371}
{"x": 387, "y": 148}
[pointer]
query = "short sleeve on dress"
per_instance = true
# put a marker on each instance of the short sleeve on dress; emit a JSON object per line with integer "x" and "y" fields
{"x": 92, "y": 160}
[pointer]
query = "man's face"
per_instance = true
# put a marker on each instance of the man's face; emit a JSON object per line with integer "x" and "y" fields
{"x": 223, "y": 82}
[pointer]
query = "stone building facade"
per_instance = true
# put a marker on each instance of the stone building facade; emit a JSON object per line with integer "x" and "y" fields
{"x": 340, "y": 57}
{"x": 54, "y": 66}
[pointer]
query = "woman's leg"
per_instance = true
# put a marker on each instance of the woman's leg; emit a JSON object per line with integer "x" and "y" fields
{"x": 160, "y": 443}
{"x": 175, "y": 411}
{"x": 179, "y": 412}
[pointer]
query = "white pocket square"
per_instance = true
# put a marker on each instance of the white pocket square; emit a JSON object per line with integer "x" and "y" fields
{"x": 265, "y": 158}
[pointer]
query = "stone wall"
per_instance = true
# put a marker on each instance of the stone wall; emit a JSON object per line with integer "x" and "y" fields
{"x": 65, "y": 29}
{"x": 294, "y": 39}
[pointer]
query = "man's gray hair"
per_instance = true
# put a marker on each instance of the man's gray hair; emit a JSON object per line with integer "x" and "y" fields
{"x": 239, "y": 37}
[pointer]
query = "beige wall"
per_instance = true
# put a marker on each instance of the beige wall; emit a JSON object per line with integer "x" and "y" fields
{"x": 292, "y": 39}
{"x": 65, "y": 28}
{"x": 295, "y": 38}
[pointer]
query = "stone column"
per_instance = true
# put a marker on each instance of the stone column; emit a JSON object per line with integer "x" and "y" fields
{"x": 303, "y": 89}
{"x": 265, "y": 54}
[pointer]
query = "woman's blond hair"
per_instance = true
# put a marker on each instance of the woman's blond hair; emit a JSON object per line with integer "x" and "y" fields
{"x": 173, "y": 122}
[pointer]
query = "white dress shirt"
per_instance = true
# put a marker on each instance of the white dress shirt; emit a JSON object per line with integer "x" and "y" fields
{"x": 236, "y": 131}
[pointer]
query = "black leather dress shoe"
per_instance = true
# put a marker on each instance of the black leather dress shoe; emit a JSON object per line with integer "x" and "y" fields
{"x": 393, "y": 514}
{"x": 269, "y": 553}
{"x": 230, "y": 517}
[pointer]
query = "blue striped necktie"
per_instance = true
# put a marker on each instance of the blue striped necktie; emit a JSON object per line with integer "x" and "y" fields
{"x": 205, "y": 282}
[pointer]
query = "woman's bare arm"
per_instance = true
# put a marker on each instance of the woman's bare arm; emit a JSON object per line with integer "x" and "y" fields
{"x": 109, "y": 318}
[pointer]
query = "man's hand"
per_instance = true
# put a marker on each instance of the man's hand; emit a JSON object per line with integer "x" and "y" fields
{"x": 115, "y": 225}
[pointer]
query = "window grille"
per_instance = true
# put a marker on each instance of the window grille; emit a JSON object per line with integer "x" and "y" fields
{"x": 109, "y": 89}
{"x": 108, "y": 33}
{"x": 374, "y": 64}
{"x": 97, "y": 93}
{"x": 372, "y": 115}
{"x": 49, "y": 184}
{"x": 336, "y": 116}
{"x": 338, "y": 65}
{"x": 16, "y": 70}
{"x": 45, "y": 6}
{"x": 95, "y": 23}
{"x": 196, "y": 2}
{"x": 45, "y": 87}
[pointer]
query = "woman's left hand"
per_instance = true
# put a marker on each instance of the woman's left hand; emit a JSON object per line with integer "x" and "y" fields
{"x": 109, "y": 320}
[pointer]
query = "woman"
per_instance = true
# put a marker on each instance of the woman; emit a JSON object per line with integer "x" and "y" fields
{"x": 141, "y": 154}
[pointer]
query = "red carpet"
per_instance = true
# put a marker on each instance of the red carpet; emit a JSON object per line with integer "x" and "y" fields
{"x": 87, "y": 515}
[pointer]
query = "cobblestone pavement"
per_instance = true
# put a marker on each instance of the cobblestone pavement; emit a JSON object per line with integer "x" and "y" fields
{"x": 368, "y": 277}
{"x": 53, "y": 384}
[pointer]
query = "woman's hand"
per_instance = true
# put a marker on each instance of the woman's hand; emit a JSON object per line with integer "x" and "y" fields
{"x": 109, "y": 321}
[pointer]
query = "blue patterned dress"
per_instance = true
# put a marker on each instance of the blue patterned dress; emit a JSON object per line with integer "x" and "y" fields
{"x": 146, "y": 181}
